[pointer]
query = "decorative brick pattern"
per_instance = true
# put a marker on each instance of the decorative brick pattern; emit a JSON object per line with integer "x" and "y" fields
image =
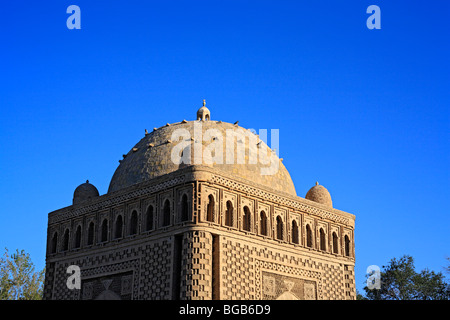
{"x": 257, "y": 192}
{"x": 198, "y": 259}
{"x": 197, "y": 266}
{"x": 245, "y": 266}
{"x": 238, "y": 280}
{"x": 108, "y": 201}
{"x": 349, "y": 282}
{"x": 154, "y": 275}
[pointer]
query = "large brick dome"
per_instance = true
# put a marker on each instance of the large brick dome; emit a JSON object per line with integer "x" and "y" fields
{"x": 153, "y": 155}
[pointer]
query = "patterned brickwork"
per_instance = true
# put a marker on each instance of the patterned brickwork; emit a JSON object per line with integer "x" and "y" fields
{"x": 238, "y": 279}
{"x": 60, "y": 290}
{"x": 48, "y": 282}
{"x": 200, "y": 259}
{"x": 244, "y": 265}
{"x": 349, "y": 282}
{"x": 118, "y": 286}
{"x": 284, "y": 200}
{"x": 108, "y": 200}
{"x": 275, "y": 286}
{"x": 155, "y": 277}
{"x": 148, "y": 267}
{"x": 197, "y": 266}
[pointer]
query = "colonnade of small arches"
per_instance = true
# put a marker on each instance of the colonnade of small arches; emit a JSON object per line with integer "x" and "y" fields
{"x": 150, "y": 221}
{"x": 279, "y": 233}
{"x": 72, "y": 239}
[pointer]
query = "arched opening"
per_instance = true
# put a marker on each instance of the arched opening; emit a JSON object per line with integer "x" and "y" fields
{"x": 347, "y": 246}
{"x": 335, "y": 243}
{"x": 77, "y": 243}
{"x": 133, "y": 223}
{"x": 118, "y": 227}
{"x": 229, "y": 214}
{"x": 322, "y": 240}
{"x": 149, "y": 219}
{"x": 294, "y": 232}
{"x": 66, "y": 240}
{"x": 104, "y": 233}
{"x": 166, "y": 213}
{"x": 54, "y": 243}
{"x": 90, "y": 239}
{"x": 184, "y": 208}
{"x": 210, "y": 209}
{"x": 263, "y": 223}
{"x": 279, "y": 228}
{"x": 309, "y": 242}
{"x": 246, "y": 219}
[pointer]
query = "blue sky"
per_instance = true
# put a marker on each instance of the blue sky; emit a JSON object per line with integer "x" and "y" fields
{"x": 364, "y": 112}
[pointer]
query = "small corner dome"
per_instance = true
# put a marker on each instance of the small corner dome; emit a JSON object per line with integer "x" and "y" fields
{"x": 84, "y": 192}
{"x": 319, "y": 194}
{"x": 203, "y": 113}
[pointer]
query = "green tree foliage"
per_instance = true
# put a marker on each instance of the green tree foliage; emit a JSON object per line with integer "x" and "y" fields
{"x": 18, "y": 279}
{"x": 400, "y": 281}
{"x": 447, "y": 268}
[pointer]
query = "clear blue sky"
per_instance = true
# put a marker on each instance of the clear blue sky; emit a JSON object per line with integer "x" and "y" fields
{"x": 364, "y": 112}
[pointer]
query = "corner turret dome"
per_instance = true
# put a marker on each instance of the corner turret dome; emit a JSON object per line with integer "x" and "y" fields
{"x": 84, "y": 192}
{"x": 319, "y": 194}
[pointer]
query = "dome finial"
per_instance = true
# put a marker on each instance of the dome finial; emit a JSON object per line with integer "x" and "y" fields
{"x": 317, "y": 183}
{"x": 203, "y": 113}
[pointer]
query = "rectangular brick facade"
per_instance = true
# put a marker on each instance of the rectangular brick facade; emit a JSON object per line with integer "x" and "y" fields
{"x": 204, "y": 255}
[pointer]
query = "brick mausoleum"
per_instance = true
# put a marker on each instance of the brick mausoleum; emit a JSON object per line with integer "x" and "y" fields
{"x": 198, "y": 230}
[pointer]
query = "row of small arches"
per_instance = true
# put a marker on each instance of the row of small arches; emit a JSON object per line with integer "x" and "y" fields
{"x": 118, "y": 230}
{"x": 279, "y": 230}
{"x": 148, "y": 225}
